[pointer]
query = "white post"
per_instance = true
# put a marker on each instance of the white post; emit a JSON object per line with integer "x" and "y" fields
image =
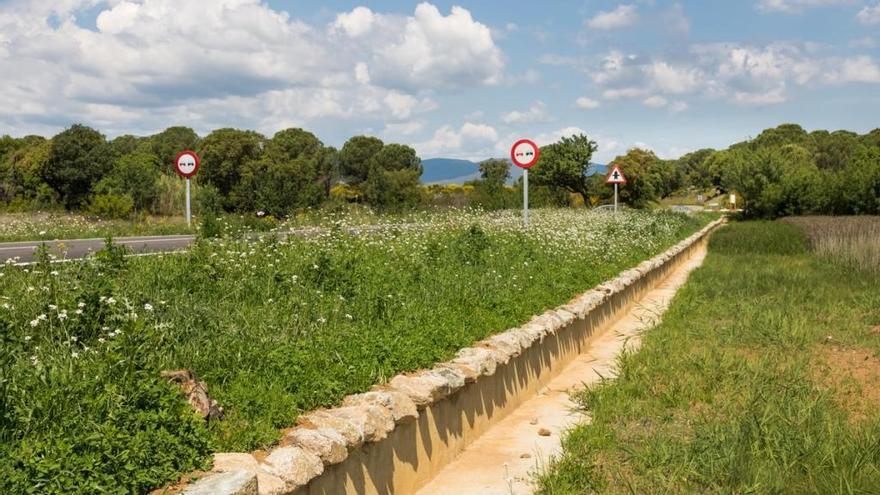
{"x": 525, "y": 197}
{"x": 615, "y": 197}
{"x": 188, "y": 215}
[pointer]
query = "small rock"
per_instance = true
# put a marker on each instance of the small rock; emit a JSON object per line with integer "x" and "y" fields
{"x": 470, "y": 373}
{"x": 402, "y": 408}
{"x": 480, "y": 359}
{"x": 293, "y": 465}
{"x": 196, "y": 392}
{"x": 454, "y": 379}
{"x": 232, "y": 483}
{"x": 423, "y": 390}
{"x": 234, "y": 461}
{"x": 525, "y": 456}
{"x": 534, "y": 421}
{"x": 326, "y": 443}
{"x": 544, "y": 432}
{"x": 375, "y": 421}
{"x": 352, "y": 433}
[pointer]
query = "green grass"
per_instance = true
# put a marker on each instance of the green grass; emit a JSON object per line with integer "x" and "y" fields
{"x": 743, "y": 388}
{"x": 274, "y": 328}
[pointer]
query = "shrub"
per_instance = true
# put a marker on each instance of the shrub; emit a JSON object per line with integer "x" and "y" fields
{"x": 111, "y": 206}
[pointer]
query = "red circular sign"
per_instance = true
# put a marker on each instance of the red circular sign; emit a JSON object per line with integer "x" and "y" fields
{"x": 187, "y": 163}
{"x": 524, "y": 153}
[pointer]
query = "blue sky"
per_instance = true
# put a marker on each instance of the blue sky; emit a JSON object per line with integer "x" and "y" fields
{"x": 453, "y": 79}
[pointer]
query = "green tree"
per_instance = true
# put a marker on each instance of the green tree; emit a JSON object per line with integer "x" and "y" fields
{"x": 564, "y": 164}
{"x": 21, "y": 173}
{"x": 224, "y": 153}
{"x": 136, "y": 175}
{"x": 393, "y": 190}
{"x": 126, "y": 145}
{"x": 167, "y": 144}
{"x": 640, "y": 187}
{"x": 495, "y": 171}
{"x": 355, "y": 157}
{"x": 79, "y": 158}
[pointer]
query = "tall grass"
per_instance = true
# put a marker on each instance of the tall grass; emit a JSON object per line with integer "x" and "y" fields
{"x": 741, "y": 389}
{"x": 275, "y": 328}
{"x": 853, "y": 241}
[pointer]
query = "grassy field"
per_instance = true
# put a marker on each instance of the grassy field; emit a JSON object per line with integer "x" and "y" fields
{"x": 274, "y": 328}
{"x": 762, "y": 378}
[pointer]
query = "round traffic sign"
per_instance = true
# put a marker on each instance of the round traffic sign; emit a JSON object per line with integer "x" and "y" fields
{"x": 524, "y": 153}
{"x": 186, "y": 164}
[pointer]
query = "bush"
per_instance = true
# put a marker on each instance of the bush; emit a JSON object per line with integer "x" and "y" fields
{"x": 111, "y": 206}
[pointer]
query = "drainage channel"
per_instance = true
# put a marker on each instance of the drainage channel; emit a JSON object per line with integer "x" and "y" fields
{"x": 505, "y": 459}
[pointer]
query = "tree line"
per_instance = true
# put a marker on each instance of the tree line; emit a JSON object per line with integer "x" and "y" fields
{"x": 79, "y": 169}
{"x": 783, "y": 171}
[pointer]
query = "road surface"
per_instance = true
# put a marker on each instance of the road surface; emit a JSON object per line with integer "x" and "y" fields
{"x": 23, "y": 252}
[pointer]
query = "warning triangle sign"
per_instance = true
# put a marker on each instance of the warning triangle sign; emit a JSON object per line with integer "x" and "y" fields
{"x": 615, "y": 176}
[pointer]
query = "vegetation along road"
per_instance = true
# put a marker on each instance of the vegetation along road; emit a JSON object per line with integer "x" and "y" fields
{"x": 762, "y": 378}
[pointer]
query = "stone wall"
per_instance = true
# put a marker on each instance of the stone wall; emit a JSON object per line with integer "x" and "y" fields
{"x": 396, "y": 437}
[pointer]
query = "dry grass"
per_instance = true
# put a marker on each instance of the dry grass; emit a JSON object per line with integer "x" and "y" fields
{"x": 854, "y": 241}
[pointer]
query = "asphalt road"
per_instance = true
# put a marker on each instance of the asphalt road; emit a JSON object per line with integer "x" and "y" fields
{"x": 23, "y": 252}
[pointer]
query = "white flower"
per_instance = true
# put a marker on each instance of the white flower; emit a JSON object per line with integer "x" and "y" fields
{"x": 34, "y": 360}
{"x": 42, "y": 232}
{"x": 80, "y": 304}
{"x": 349, "y": 316}
{"x": 27, "y": 338}
{"x": 79, "y": 311}
{"x": 53, "y": 307}
{"x": 35, "y": 323}
{"x": 111, "y": 300}
{"x": 102, "y": 340}
{"x": 322, "y": 320}
{"x": 54, "y": 273}
{"x": 42, "y": 317}
{"x": 148, "y": 307}
{"x": 74, "y": 354}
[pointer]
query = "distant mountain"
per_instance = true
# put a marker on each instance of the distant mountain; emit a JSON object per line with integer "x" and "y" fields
{"x": 449, "y": 170}
{"x": 455, "y": 171}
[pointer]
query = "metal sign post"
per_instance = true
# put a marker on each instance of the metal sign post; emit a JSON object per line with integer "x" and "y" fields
{"x": 188, "y": 212}
{"x": 524, "y": 154}
{"x": 616, "y": 177}
{"x": 525, "y": 197}
{"x": 615, "y": 197}
{"x": 187, "y": 164}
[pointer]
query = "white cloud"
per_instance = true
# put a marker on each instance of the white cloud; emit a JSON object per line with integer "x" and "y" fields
{"x": 536, "y": 113}
{"x": 796, "y": 6}
{"x": 356, "y": 23}
{"x": 585, "y": 103}
{"x": 655, "y": 101}
{"x": 554, "y": 136}
{"x": 621, "y": 17}
{"x": 741, "y": 74}
{"x": 403, "y": 129}
{"x": 678, "y": 106}
{"x": 471, "y": 141}
{"x": 431, "y": 50}
{"x": 210, "y": 63}
{"x": 854, "y": 70}
{"x": 673, "y": 79}
{"x": 869, "y": 15}
{"x": 863, "y": 42}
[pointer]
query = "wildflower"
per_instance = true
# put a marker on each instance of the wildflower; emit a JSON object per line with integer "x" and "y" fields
{"x": 35, "y": 323}
{"x": 111, "y": 301}
{"x": 42, "y": 232}
{"x": 80, "y": 304}
{"x": 54, "y": 273}
{"x": 102, "y": 340}
{"x": 322, "y": 320}
{"x": 53, "y": 307}
{"x": 148, "y": 307}
{"x": 27, "y": 338}
{"x": 42, "y": 317}
{"x": 34, "y": 360}
{"x": 74, "y": 354}
{"x": 79, "y": 311}
{"x": 349, "y": 316}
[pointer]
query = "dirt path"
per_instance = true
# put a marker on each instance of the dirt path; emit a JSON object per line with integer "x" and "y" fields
{"x": 502, "y": 461}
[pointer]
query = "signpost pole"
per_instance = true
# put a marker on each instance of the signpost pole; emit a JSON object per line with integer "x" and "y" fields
{"x": 525, "y": 197}
{"x": 615, "y": 197}
{"x": 188, "y": 214}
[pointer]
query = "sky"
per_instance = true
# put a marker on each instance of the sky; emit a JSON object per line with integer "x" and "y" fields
{"x": 459, "y": 79}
